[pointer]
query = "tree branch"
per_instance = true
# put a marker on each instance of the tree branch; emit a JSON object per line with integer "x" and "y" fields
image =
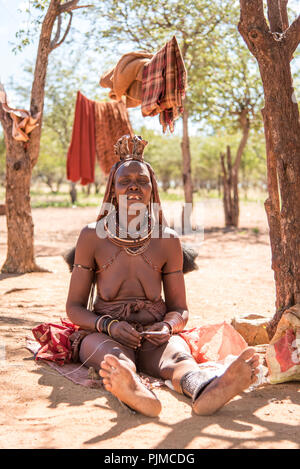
{"x": 57, "y": 34}
{"x": 55, "y": 43}
{"x": 253, "y": 26}
{"x": 70, "y": 6}
{"x": 274, "y": 16}
{"x": 284, "y": 14}
{"x": 292, "y": 36}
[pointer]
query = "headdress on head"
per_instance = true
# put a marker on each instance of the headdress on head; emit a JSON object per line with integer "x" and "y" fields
{"x": 137, "y": 145}
{"x": 131, "y": 149}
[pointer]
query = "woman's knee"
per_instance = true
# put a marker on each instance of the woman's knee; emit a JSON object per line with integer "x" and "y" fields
{"x": 163, "y": 361}
{"x": 125, "y": 356}
{"x": 94, "y": 347}
{"x": 176, "y": 361}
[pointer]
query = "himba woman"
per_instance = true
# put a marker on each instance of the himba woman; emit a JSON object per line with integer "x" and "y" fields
{"x": 131, "y": 328}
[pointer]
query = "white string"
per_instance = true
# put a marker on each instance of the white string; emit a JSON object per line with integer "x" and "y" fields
{"x": 78, "y": 368}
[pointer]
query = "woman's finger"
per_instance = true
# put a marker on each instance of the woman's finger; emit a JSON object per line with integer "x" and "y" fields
{"x": 131, "y": 337}
{"x": 127, "y": 339}
{"x": 158, "y": 340}
{"x": 131, "y": 330}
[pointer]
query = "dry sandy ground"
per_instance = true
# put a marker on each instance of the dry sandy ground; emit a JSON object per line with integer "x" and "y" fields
{"x": 41, "y": 409}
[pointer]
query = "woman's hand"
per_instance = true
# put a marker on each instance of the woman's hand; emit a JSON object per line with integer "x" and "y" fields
{"x": 125, "y": 334}
{"x": 161, "y": 338}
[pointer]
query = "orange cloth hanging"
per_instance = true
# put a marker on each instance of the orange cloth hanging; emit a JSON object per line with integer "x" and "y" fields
{"x": 111, "y": 123}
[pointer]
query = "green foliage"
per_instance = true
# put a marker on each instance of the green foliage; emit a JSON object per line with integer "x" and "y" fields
{"x": 34, "y": 12}
{"x": 164, "y": 155}
{"x": 235, "y": 86}
{"x": 222, "y": 77}
{"x": 148, "y": 24}
{"x": 51, "y": 165}
{"x": 206, "y": 152}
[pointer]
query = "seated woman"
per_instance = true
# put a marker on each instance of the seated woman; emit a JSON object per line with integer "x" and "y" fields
{"x": 131, "y": 327}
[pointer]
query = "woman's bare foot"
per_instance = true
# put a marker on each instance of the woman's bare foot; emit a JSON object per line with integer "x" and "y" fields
{"x": 238, "y": 376}
{"x": 123, "y": 383}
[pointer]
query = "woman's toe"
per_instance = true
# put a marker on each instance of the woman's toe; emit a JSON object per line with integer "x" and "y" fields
{"x": 103, "y": 373}
{"x": 111, "y": 361}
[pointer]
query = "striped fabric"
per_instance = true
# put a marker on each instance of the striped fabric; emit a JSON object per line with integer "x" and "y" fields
{"x": 164, "y": 84}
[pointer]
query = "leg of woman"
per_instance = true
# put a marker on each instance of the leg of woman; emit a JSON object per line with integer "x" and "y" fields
{"x": 117, "y": 368}
{"x": 95, "y": 346}
{"x": 170, "y": 361}
{"x": 173, "y": 361}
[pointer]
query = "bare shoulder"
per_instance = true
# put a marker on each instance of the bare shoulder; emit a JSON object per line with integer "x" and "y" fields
{"x": 88, "y": 231}
{"x": 88, "y": 236}
{"x": 169, "y": 233}
{"x": 170, "y": 240}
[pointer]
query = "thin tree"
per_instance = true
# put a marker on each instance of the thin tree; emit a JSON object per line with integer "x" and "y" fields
{"x": 273, "y": 44}
{"x": 22, "y": 157}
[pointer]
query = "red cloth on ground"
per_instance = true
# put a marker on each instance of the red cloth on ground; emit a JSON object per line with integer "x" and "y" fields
{"x": 286, "y": 351}
{"x": 82, "y": 152}
{"x": 54, "y": 341}
{"x": 207, "y": 343}
{"x": 214, "y": 342}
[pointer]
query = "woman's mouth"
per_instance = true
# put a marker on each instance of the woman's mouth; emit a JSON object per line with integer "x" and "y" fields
{"x": 134, "y": 197}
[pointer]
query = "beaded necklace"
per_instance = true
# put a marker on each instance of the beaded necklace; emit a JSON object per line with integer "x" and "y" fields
{"x": 132, "y": 246}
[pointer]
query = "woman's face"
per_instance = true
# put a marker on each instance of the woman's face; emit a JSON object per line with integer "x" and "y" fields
{"x": 133, "y": 182}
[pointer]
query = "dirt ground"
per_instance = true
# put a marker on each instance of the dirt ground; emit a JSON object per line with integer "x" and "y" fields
{"x": 41, "y": 409}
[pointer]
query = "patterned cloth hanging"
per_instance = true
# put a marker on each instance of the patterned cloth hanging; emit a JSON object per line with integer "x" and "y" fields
{"x": 164, "y": 85}
{"x": 156, "y": 82}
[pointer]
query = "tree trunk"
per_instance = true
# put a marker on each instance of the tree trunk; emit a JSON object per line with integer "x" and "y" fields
{"x": 230, "y": 191}
{"x": 21, "y": 158}
{"x": 282, "y": 132}
{"x": 186, "y": 174}
{"x": 231, "y": 174}
{"x": 186, "y": 158}
{"x": 97, "y": 187}
{"x": 20, "y": 251}
{"x": 73, "y": 193}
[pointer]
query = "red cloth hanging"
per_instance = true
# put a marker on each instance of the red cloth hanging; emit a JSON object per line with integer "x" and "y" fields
{"x": 82, "y": 152}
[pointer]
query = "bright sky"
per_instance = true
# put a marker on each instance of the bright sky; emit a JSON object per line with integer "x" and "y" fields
{"x": 10, "y": 21}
